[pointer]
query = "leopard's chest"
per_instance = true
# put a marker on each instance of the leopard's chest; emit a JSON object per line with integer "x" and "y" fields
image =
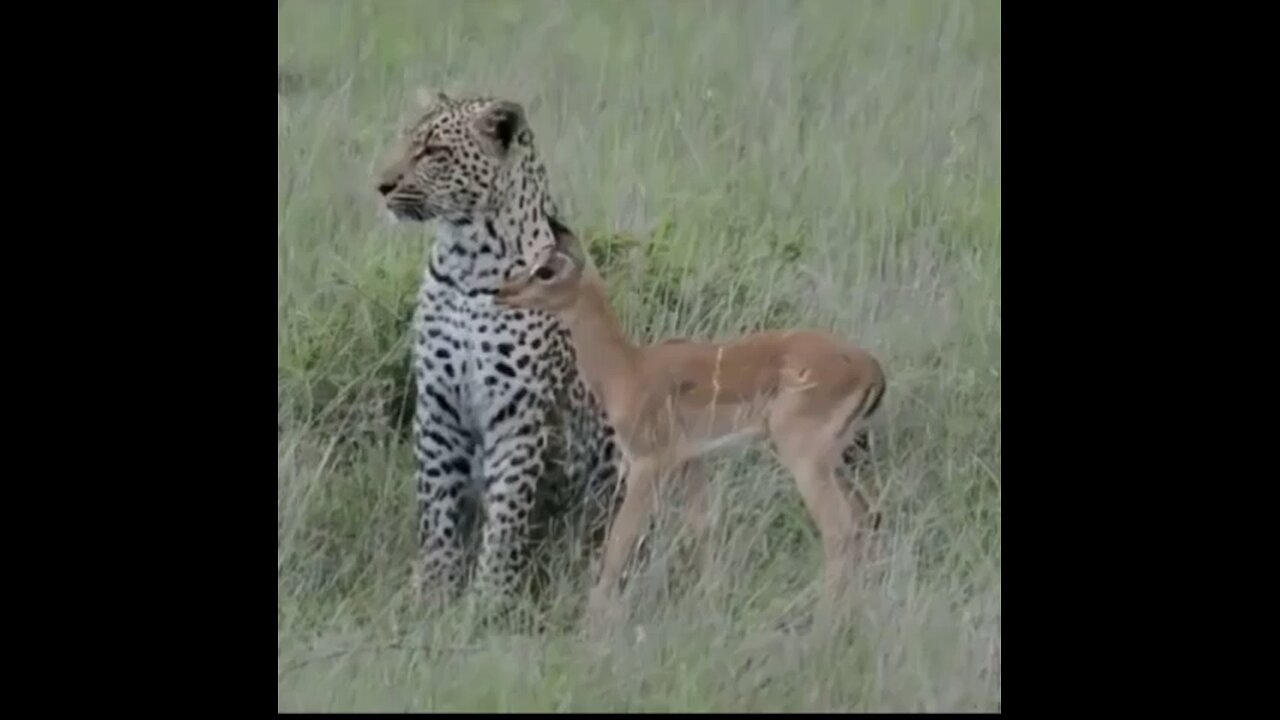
{"x": 484, "y": 355}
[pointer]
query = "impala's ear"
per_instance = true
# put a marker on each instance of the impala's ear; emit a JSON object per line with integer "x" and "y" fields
{"x": 501, "y": 123}
{"x": 544, "y": 257}
{"x": 567, "y": 243}
{"x": 557, "y": 268}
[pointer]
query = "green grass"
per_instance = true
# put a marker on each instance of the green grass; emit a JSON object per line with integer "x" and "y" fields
{"x": 733, "y": 165}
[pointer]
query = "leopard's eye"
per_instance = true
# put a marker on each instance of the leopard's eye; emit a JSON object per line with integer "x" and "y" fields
{"x": 432, "y": 151}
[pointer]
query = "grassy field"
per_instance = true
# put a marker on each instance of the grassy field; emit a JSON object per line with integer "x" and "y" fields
{"x": 734, "y": 165}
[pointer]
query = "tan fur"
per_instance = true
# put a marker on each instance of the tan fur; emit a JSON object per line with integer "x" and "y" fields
{"x": 672, "y": 402}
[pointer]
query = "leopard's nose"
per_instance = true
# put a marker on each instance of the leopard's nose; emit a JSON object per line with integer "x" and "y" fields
{"x": 385, "y": 187}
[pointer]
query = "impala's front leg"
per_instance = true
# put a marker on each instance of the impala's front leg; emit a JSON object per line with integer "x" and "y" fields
{"x": 637, "y": 506}
{"x": 694, "y": 512}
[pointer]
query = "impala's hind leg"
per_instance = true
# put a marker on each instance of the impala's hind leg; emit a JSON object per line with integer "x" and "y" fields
{"x": 812, "y": 464}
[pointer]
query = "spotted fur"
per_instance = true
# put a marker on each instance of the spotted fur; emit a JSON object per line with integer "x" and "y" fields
{"x": 502, "y": 415}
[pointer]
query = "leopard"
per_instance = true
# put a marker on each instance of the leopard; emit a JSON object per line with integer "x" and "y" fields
{"x": 502, "y": 420}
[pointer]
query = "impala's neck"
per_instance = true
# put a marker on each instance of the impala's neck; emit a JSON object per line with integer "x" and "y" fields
{"x": 606, "y": 356}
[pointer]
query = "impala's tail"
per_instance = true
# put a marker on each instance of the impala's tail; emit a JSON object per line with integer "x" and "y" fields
{"x": 865, "y": 403}
{"x": 855, "y": 437}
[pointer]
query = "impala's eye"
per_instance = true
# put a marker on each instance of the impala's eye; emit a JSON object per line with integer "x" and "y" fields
{"x": 544, "y": 273}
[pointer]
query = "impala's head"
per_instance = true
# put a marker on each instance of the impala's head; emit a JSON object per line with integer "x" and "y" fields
{"x": 552, "y": 282}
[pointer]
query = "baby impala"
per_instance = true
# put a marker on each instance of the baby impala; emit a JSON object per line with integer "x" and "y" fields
{"x": 805, "y": 391}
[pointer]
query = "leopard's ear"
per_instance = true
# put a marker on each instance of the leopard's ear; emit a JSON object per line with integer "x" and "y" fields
{"x": 427, "y": 98}
{"x": 500, "y": 124}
